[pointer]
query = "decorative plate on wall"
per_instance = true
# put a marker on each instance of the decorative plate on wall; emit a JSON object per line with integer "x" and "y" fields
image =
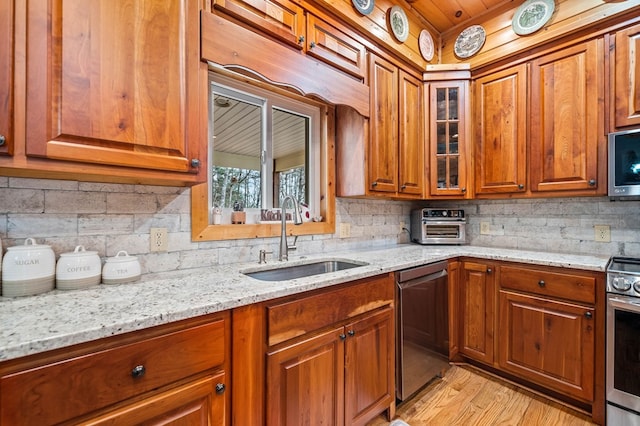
{"x": 425, "y": 43}
{"x": 469, "y": 42}
{"x": 363, "y": 6}
{"x": 532, "y": 15}
{"x": 399, "y": 23}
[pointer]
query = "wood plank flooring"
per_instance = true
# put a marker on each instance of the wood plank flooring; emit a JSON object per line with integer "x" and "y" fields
{"x": 469, "y": 397}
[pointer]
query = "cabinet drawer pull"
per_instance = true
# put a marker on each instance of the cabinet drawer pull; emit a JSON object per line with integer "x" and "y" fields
{"x": 588, "y": 315}
{"x": 342, "y": 336}
{"x": 220, "y": 388}
{"x": 351, "y": 333}
{"x": 138, "y": 371}
{"x": 541, "y": 283}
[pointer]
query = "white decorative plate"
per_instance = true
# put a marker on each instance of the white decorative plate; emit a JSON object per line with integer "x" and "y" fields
{"x": 425, "y": 43}
{"x": 469, "y": 42}
{"x": 532, "y": 15}
{"x": 363, "y": 6}
{"x": 399, "y": 23}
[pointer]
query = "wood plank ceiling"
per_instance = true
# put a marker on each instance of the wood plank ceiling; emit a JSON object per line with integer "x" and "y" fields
{"x": 446, "y": 14}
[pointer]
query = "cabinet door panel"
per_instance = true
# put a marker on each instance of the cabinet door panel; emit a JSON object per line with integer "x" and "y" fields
{"x": 548, "y": 342}
{"x": 627, "y": 77}
{"x": 567, "y": 118}
{"x": 305, "y": 381}
{"x": 383, "y": 146}
{"x": 477, "y": 305}
{"x": 501, "y": 138}
{"x": 6, "y": 76}
{"x": 370, "y": 382}
{"x": 411, "y": 137}
{"x": 113, "y": 82}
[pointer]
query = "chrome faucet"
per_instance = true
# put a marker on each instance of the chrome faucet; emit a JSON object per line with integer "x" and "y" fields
{"x": 297, "y": 220}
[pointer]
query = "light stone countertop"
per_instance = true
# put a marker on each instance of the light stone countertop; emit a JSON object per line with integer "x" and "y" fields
{"x": 53, "y": 320}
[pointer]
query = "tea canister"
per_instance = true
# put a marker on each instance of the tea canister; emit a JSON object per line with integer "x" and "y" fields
{"x": 28, "y": 269}
{"x": 78, "y": 269}
{"x": 121, "y": 268}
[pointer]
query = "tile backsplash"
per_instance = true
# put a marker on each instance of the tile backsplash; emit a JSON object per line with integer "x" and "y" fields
{"x": 112, "y": 217}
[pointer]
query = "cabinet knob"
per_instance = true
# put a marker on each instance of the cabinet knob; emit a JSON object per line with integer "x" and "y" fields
{"x": 342, "y": 336}
{"x": 220, "y": 388}
{"x": 195, "y": 163}
{"x": 138, "y": 371}
{"x": 541, "y": 283}
{"x": 301, "y": 39}
{"x": 520, "y": 186}
{"x": 374, "y": 184}
{"x": 351, "y": 333}
{"x": 489, "y": 270}
{"x": 464, "y": 190}
{"x": 312, "y": 45}
{"x": 588, "y": 315}
{"x": 403, "y": 187}
{"x": 3, "y": 139}
{"x": 592, "y": 182}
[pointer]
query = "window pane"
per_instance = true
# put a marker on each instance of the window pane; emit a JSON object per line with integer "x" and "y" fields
{"x": 441, "y": 105}
{"x": 290, "y": 143}
{"x": 442, "y": 172}
{"x": 237, "y": 127}
{"x": 453, "y": 104}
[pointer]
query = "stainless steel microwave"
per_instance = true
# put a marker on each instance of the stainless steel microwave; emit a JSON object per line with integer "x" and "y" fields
{"x": 624, "y": 164}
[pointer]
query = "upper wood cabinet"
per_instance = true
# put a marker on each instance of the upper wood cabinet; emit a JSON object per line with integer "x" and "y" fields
{"x": 627, "y": 77}
{"x": 567, "y": 137}
{"x": 448, "y": 124}
{"x": 6, "y": 76}
{"x": 114, "y": 82}
{"x": 282, "y": 19}
{"x": 500, "y": 111}
{"x": 328, "y": 44}
{"x": 396, "y": 143}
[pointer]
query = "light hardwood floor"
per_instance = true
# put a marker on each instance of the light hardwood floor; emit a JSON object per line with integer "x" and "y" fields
{"x": 466, "y": 396}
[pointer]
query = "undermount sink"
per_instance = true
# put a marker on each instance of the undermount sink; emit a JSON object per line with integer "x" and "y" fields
{"x": 285, "y": 273}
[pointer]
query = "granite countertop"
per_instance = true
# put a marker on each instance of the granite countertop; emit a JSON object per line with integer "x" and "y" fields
{"x": 62, "y": 318}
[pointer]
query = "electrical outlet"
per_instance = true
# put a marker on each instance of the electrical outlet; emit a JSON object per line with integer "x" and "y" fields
{"x": 158, "y": 239}
{"x": 603, "y": 233}
{"x": 485, "y": 228}
{"x": 345, "y": 230}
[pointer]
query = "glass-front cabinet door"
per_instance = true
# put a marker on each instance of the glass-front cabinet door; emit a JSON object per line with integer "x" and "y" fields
{"x": 448, "y": 135}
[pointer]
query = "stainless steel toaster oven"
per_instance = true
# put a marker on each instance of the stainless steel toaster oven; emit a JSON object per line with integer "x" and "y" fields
{"x": 438, "y": 226}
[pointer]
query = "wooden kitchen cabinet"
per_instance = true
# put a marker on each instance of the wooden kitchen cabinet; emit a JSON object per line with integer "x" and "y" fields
{"x": 500, "y": 107}
{"x": 396, "y": 143}
{"x": 567, "y": 137}
{"x": 327, "y": 356}
{"x": 547, "y": 329}
{"x": 447, "y": 124}
{"x": 114, "y": 83}
{"x": 281, "y": 19}
{"x": 6, "y": 76}
{"x": 626, "y": 72}
{"x": 477, "y": 304}
{"x": 176, "y": 373}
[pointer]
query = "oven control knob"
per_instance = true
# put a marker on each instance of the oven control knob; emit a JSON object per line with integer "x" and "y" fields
{"x": 636, "y": 286}
{"x": 622, "y": 284}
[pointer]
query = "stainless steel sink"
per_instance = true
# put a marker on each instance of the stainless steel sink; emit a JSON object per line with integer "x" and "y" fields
{"x": 303, "y": 270}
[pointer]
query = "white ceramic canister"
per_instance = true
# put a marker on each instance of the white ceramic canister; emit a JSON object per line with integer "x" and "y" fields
{"x": 28, "y": 269}
{"x": 121, "y": 268}
{"x": 78, "y": 269}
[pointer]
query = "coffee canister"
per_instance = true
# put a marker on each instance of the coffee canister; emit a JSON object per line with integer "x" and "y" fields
{"x": 28, "y": 269}
{"x": 78, "y": 269}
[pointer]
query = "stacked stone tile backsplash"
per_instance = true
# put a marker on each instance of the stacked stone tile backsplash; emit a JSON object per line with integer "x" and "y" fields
{"x": 112, "y": 217}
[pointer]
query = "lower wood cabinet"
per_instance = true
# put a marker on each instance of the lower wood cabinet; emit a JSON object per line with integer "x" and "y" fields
{"x": 173, "y": 374}
{"x": 325, "y": 357}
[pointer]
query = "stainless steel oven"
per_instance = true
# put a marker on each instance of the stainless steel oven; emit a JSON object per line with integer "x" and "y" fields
{"x": 438, "y": 226}
{"x": 623, "y": 341}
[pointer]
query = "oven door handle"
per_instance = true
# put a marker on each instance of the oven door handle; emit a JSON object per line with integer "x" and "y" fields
{"x": 625, "y": 303}
{"x": 421, "y": 280}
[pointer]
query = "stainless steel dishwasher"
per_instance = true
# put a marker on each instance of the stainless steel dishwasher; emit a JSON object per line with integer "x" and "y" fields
{"x": 422, "y": 346}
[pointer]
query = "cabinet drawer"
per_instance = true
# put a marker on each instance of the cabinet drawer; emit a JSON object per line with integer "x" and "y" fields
{"x": 63, "y": 390}
{"x": 579, "y": 288}
{"x": 294, "y": 318}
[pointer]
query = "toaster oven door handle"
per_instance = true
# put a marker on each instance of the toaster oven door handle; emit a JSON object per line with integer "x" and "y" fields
{"x": 421, "y": 280}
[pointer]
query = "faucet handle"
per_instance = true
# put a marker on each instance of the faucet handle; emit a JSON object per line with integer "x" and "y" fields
{"x": 263, "y": 256}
